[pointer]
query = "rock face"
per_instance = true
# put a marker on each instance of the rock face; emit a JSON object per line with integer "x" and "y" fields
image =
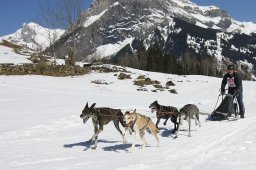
{"x": 116, "y": 28}
{"x": 101, "y": 5}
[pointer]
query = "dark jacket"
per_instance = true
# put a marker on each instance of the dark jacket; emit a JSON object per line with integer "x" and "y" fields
{"x": 234, "y": 83}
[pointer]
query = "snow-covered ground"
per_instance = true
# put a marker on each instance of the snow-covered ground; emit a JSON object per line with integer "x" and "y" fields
{"x": 7, "y": 55}
{"x": 40, "y": 127}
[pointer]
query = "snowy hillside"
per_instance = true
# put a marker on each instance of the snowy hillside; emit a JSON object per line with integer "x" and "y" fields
{"x": 7, "y": 55}
{"x": 40, "y": 127}
{"x": 33, "y": 36}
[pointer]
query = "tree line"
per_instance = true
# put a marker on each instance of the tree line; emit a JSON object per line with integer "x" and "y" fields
{"x": 154, "y": 60}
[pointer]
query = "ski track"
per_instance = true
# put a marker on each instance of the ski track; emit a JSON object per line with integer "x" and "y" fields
{"x": 59, "y": 142}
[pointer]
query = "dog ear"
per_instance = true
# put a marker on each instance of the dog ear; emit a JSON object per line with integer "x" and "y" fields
{"x": 92, "y": 106}
{"x": 86, "y": 105}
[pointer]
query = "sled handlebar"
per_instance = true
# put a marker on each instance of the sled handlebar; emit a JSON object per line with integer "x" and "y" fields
{"x": 225, "y": 93}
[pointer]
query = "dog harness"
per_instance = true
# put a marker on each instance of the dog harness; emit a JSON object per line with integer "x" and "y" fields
{"x": 146, "y": 124}
{"x": 171, "y": 111}
{"x": 147, "y": 118}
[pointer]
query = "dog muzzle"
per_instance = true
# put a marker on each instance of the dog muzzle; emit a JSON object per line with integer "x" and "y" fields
{"x": 130, "y": 124}
{"x": 85, "y": 119}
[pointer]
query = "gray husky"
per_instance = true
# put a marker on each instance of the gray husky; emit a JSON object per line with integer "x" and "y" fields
{"x": 102, "y": 116}
{"x": 187, "y": 113}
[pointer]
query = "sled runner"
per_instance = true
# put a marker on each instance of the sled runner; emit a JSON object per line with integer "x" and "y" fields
{"x": 227, "y": 110}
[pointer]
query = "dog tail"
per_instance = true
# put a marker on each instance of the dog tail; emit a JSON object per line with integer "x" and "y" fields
{"x": 156, "y": 129}
{"x": 153, "y": 126}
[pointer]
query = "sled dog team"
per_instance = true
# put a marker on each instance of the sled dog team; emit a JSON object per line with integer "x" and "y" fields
{"x": 138, "y": 123}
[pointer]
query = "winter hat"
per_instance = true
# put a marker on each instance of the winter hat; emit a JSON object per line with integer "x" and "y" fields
{"x": 230, "y": 67}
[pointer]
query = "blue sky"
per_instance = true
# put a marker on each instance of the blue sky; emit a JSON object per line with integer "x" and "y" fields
{"x": 241, "y": 10}
{"x": 13, "y": 13}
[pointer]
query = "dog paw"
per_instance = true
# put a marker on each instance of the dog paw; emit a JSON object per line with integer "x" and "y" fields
{"x": 173, "y": 131}
{"x": 93, "y": 148}
{"x": 143, "y": 147}
{"x": 125, "y": 141}
{"x": 90, "y": 141}
{"x": 129, "y": 151}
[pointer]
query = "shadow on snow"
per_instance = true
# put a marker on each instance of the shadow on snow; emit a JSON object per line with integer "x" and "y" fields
{"x": 88, "y": 145}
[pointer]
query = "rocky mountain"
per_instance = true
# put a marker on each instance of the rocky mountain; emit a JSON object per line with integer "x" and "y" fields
{"x": 112, "y": 29}
{"x": 33, "y": 36}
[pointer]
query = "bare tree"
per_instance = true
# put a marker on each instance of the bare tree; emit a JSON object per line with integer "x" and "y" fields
{"x": 69, "y": 12}
{"x": 65, "y": 14}
{"x": 50, "y": 21}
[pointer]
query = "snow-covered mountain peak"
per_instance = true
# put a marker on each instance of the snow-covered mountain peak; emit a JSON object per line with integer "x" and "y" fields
{"x": 33, "y": 36}
{"x": 203, "y": 16}
{"x": 32, "y": 25}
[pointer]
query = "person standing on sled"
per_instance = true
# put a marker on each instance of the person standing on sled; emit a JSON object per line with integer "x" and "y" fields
{"x": 235, "y": 87}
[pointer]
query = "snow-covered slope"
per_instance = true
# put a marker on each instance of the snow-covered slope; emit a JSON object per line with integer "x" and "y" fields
{"x": 40, "y": 126}
{"x": 33, "y": 36}
{"x": 7, "y": 55}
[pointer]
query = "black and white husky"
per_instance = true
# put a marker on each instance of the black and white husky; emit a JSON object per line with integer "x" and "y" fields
{"x": 187, "y": 113}
{"x": 165, "y": 112}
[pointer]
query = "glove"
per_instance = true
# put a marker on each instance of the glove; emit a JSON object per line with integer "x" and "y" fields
{"x": 236, "y": 92}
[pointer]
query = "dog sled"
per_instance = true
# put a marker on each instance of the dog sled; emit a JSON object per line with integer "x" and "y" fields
{"x": 227, "y": 110}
